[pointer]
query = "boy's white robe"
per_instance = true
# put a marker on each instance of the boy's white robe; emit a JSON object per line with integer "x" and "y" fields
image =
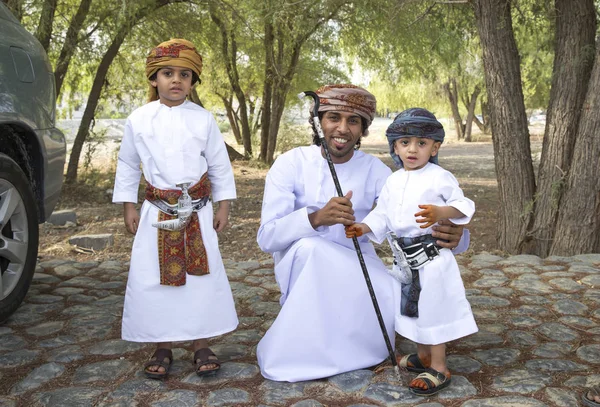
{"x": 174, "y": 145}
{"x": 327, "y": 324}
{"x": 444, "y": 312}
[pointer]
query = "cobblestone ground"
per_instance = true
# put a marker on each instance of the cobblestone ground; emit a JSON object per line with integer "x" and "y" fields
{"x": 538, "y": 345}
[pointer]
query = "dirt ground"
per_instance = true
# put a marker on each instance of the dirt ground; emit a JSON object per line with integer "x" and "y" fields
{"x": 471, "y": 163}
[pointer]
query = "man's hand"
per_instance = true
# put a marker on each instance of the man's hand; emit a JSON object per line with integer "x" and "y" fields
{"x": 336, "y": 211}
{"x": 449, "y": 232}
{"x": 131, "y": 217}
{"x": 429, "y": 215}
{"x": 221, "y": 218}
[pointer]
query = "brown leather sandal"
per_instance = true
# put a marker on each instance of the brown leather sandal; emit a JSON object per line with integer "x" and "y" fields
{"x": 158, "y": 359}
{"x": 201, "y": 358}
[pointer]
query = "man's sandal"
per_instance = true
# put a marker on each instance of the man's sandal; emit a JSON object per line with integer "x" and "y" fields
{"x": 158, "y": 359}
{"x": 202, "y": 358}
{"x": 434, "y": 380}
{"x": 588, "y": 396}
{"x": 412, "y": 363}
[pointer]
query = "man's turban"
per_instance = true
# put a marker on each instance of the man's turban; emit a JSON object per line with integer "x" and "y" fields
{"x": 176, "y": 52}
{"x": 415, "y": 122}
{"x": 348, "y": 98}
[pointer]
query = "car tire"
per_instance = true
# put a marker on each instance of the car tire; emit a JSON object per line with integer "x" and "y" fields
{"x": 18, "y": 231}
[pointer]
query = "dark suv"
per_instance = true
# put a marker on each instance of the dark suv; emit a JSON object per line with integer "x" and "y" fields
{"x": 32, "y": 156}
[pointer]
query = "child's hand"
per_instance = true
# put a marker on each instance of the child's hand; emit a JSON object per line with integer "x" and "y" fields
{"x": 354, "y": 230}
{"x": 131, "y": 217}
{"x": 221, "y": 218}
{"x": 430, "y": 215}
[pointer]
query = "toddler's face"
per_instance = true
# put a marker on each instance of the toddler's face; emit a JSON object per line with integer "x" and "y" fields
{"x": 415, "y": 152}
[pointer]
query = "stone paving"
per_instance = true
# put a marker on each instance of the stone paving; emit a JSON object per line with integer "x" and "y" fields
{"x": 538, "y": 345}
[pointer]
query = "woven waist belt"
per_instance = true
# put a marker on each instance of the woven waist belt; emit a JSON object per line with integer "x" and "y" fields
{"x": 180, "y": 252}
{"x": 171, "y": 209}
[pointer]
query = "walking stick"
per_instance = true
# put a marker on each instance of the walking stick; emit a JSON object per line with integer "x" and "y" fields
{"x": 363, "y": 266}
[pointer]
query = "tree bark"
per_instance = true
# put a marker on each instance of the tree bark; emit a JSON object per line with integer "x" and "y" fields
{"x": 99, "y": 79}
{"x": 232, "y": 117}
{"x": 471, "y": 113}
{"x": 233, "y": 154}
{"x": 194, "y": 97}
{"x": 573, "y": 61}
{"x": 70, "y": 44}
{"x": 280, "y": 68}
{"x": 44, "y": 29}
{"x": 452, "y": 93}
{"x": 578, "y": 223}
{"x": 230, "y": 59}
{"x": 514, "y": 168}
{"x": 267, "y": 91}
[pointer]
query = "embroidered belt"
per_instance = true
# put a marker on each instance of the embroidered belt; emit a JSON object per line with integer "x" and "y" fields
{"x": 180, "y": 252}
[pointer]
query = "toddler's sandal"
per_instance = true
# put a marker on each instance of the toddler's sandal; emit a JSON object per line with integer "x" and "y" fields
{"x": 434, "y": 380}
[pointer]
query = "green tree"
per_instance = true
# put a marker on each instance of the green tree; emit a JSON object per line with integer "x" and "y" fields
{"x": 128, "y": 20}
{"x": 561, "y": 216}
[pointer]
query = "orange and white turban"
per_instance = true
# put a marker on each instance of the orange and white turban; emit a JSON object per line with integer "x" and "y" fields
{"x": 175, "y": 52}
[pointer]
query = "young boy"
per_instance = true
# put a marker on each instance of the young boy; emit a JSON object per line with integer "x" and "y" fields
{"x": 177, "y": 288}
{"x": 434, "y": 309}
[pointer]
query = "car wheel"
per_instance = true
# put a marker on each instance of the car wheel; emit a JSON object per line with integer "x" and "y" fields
{"x": 19, "y": 236}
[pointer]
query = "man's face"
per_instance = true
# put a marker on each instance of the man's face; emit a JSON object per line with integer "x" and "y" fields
{"x": 342, "y": 131}
{"x": 173, "y": 84}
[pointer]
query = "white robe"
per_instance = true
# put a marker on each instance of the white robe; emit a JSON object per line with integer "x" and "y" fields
{"x": 174, "y": 145}
{"x": 444, "y": 311}
{"x": 327, "y": 324}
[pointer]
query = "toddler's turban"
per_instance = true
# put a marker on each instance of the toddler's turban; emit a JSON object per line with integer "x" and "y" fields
{"x": 414, "y": 122}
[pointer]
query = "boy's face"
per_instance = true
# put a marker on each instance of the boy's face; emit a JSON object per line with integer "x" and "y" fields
{"x": 173, "y": 84}
{"x": 341, "y": 130}
{"x": 415, "y": 152}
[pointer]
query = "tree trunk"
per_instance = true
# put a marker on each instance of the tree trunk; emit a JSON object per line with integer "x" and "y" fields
{"x": 485, "y": 115}
{"x": 230, "y": 59}
{"x": 452, "y": 93}
{"x": 233, "y": 122}
{"x": 99, "y": 79}
{"x": 194, "y": 97}
{"x": 70, "y": 44}
{"x": 514, "y": 168}
{"x": 573, "y": 61}
{"x": 471, "y": 113}
{"x": 278, "y": 105}
{"x": 44, "y": 29}
{"x": 233, "y": 154}
{"x": 267, "y": 92}
{"x": 578, "y": 223}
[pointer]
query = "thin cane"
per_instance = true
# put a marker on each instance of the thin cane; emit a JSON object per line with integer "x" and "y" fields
{"x": 363, "y": 266}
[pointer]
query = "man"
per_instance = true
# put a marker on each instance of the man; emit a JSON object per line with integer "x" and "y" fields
{"x": 327, "y": 324}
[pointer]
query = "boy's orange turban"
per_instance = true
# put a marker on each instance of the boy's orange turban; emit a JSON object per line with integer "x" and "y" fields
{"x": 175, "y": 52}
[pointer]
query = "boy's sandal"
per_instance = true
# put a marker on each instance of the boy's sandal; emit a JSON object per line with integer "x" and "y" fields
{"x": 435, "y": 381}
{"x": 592, "y": 392}
{"x": 412, "y": 363}
{"x": 201, "y": 358}
{"x": 158, "y": 359}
